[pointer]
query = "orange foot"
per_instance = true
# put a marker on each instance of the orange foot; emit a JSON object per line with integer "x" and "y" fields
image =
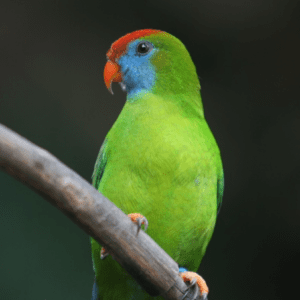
{"x": 136, "y": 218}
{"x": 194, "y": 278}
{"x": 139, "y": 220}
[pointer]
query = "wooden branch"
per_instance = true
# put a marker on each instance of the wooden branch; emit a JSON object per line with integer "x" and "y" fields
{"x": 139, "y": 255}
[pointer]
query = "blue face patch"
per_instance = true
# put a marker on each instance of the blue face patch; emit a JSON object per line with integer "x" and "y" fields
{"x": 137, "y": 71}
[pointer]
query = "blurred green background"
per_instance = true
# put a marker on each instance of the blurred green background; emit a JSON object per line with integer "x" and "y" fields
{"x": 52, "y": 55}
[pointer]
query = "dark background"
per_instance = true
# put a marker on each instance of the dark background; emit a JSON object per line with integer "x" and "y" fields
{"x": 52, "y": 55}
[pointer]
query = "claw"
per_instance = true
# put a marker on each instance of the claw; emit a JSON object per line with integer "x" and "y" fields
{"x": 139, "y": 219}
{"x": 136, "y": 218}
{"x": 103, "y": 253}
{"x": 194, "y": 279}
{"x": 204, "y": 296}
{"x": 196, "y": 292}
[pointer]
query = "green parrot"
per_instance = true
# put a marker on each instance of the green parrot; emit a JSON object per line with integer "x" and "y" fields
{"x": 159, "y": 160}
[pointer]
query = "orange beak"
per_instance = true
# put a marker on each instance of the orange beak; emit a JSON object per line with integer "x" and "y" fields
{"x": 112, "y": 74}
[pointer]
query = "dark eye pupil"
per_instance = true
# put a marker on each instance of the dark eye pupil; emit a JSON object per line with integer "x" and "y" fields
{"x": 143, "y": 48}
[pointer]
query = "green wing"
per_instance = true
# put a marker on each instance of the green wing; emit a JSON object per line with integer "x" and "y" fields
{"x": 96, "y": 178}
{"x": 99, "y": 165}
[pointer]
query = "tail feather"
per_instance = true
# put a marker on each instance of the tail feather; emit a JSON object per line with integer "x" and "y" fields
{"x": 95, "y": 291}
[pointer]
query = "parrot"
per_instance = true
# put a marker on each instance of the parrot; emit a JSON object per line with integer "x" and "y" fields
{"x": 160, "y": 162}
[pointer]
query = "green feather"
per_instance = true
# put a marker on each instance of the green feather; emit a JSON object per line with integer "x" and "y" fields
{"x": 99, "y": 166}
{"x": 220, "y": 190}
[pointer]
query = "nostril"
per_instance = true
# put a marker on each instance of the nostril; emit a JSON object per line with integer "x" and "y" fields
{"x": 125, "y": 71}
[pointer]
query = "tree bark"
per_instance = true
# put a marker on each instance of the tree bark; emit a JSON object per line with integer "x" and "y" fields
{"x": 138, "y": 254}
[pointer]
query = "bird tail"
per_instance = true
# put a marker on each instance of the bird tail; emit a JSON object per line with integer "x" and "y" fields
{"x": 95, "y": 291}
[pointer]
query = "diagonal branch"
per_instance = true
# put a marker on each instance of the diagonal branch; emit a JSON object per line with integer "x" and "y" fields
{"x": 138, "y": 254}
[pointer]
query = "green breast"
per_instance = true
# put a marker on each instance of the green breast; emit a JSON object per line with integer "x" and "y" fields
{"x": 165, "y": 165}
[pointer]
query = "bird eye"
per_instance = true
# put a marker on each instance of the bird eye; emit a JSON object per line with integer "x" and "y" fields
{"x": 144, "y": 48}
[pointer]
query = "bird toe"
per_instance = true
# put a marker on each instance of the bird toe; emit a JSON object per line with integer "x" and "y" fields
{"x": 195, "y": 279}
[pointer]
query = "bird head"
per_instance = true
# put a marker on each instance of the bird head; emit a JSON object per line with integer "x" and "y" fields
{"x": 151, "y": 61}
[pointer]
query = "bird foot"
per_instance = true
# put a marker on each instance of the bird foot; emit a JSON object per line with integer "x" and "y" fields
{"x": 194, "y": 278}
{"x": 136, "y": 218}
{"x": 139, "y": 219}
{"x": 103, "y": 253}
